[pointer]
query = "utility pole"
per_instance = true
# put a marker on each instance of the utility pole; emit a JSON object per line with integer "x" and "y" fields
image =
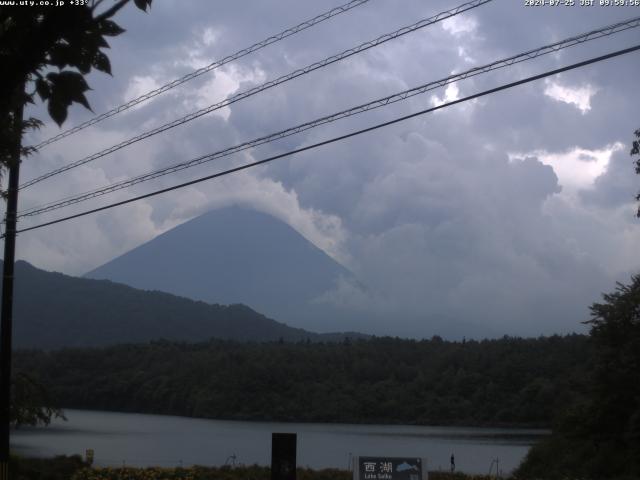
{"x": 7, "y": 286}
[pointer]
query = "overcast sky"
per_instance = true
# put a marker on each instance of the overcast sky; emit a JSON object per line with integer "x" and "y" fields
{"x": 513, "y": 211}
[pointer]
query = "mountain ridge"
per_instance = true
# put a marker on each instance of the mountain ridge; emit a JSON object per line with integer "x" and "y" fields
{"x": 53, "y": 310}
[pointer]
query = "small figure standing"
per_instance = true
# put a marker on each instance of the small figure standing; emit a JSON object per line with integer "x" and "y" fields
{"x": 453, "y": 463}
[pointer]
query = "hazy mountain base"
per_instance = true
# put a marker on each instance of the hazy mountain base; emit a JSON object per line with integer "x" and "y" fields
{"x": 506, "y": 382}
{"x": 238, "y": 255}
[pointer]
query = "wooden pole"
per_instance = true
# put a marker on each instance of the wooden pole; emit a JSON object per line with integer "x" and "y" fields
{"x": 6, "y": 311}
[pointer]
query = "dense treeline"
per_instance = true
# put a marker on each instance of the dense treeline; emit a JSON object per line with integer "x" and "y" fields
{"x": 598, "y": 437}
{"x": 510, "y": 381}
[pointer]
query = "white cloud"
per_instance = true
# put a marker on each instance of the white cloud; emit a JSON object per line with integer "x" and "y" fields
{"x": 451, "y": 93}
{"x": 579, "y": 97}
{"x": 139, "y": 85}
{"x": 266, "y": 195}
{"x": 463, "y": 53}
{"x": 200, "y": 50}
{"x": 460, "y": 25}
{"x": 210, "y": 36}
{"x": 222, "y": 84}
{"x": 576, "y": 169}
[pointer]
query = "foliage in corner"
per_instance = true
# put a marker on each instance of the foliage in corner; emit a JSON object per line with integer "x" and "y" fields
{"x": 47, "y": 51}
{"x": 600, "y": 438}
{"x": 31, "y": 403}
{"x": 57, "y": 468}
{"x": 635, "y": 150}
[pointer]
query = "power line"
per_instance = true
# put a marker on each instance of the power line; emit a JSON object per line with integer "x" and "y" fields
{"x": 341, "y": 137}
{"x": 260, "y": 88}
{"x": 396, "y": 97}
{"x": 212, "y": 66}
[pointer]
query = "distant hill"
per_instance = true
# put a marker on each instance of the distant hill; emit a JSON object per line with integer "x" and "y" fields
{"x": 236, "y": 255}
{"x": 53, "y": 310}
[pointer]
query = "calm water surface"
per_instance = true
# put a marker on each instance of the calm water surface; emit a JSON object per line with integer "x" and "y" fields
{"x": 144, "y": 440}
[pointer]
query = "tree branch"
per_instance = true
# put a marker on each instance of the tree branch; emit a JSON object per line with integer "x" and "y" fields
{"x": 96, "y": 4}
{"x": 112, "y": 11}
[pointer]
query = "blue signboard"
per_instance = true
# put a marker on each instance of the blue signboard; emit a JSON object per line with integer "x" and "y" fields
{"x": 388, "y": 468}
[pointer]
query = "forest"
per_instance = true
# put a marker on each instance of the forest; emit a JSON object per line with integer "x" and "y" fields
{"x": 503, "y": 382}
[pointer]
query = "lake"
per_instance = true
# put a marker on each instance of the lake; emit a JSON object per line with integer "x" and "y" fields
{"x": 144, "y": 440}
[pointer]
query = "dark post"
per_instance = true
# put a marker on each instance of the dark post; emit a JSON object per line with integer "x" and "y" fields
{"x": 7, "y": 292}
{"x": 283, "y": 456}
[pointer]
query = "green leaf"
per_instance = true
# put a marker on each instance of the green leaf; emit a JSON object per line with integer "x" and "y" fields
{"x": 66, "y": 87}
{"x": 32, "y": 123}
{"x": 101, "y": 42}
{"x": 142, "y": 4}
{"x": 58, "y": 56}
{"x": 67, "y": 82}
{"x": 57, "y": 110}
{"x": 81, "y": 99}
{"x": 43, "y": 88}
{"x": 101, "y": 62}
{"x": 83, "y": 61}
{"x": 110, "y": 28}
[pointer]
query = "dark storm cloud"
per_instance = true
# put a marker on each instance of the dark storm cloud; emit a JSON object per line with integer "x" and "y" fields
{"x": 453, "y": 215}
{"x": 617, "y": 186}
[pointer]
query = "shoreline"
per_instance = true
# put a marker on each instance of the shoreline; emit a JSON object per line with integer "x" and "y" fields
{"x": 546, "y": 428}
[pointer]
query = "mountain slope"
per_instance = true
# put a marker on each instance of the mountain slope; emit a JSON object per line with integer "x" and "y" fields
{"x": 53, "y": 310}
{"x": 235, "y": 255}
